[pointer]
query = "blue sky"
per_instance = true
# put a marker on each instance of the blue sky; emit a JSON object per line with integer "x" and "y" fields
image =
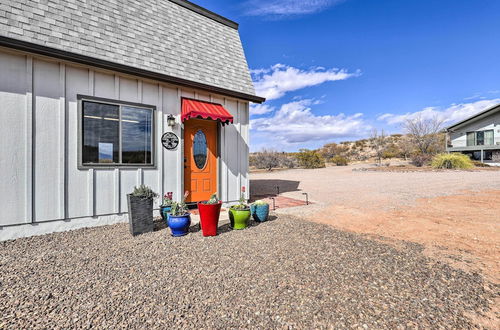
{"x": 333, "y": 70}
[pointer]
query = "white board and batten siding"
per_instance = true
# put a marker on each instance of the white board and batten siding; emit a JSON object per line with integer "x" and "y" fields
{"x": 41, "y": 183}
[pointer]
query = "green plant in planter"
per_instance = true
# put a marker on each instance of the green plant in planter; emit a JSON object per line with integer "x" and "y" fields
{"x": 239, "y": 214}
{"x": 179, "y": 208}
{"x": 140, "y": 210}
{"x": 179, "y": 219}
{"x": 144, "y": 192}
{"x": 213, "y": 200}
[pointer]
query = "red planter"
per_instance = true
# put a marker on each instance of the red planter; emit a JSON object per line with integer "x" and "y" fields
{"x": 209, "y": 218}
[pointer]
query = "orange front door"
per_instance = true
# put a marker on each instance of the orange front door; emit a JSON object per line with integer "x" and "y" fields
{"x": 200, "y": 159}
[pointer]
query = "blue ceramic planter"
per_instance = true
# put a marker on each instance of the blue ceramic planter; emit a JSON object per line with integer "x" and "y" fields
{"x": 164, "y": 212}
{"x": 179, "y": 225}
{"x": 260, "y": 213}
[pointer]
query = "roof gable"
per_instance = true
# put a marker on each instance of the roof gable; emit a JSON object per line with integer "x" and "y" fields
{"x": 483, "y": 114}
{"x": 160, "y": 36}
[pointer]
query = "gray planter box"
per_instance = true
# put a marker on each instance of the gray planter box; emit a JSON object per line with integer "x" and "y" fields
{"x": 140, "y": 215}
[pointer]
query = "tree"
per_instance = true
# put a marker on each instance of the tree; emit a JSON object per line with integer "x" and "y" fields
{"x": 379, "y": 142}
{"x": 406, "y": 146}
{"x": 424, "y": 133}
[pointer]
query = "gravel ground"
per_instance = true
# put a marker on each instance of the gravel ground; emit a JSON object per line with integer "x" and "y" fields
{"x": 283, "y": 273}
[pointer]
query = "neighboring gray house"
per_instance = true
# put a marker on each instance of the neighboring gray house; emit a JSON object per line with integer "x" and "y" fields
{"x": 88, "y": 91}
{"x": 477, "y": 136}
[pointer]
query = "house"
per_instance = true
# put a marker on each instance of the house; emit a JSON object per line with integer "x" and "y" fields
{"x": 97, "y": 97}
{"x": 477, "y": 136}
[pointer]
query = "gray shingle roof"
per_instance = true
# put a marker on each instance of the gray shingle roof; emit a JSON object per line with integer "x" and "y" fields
{"x": 157, "y": 35}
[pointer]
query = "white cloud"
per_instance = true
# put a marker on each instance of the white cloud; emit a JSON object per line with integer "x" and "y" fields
{"x": 283, "y": 8}
{"x": 276, "y": 81}
{"x": 260, "y": 109}
{"x": 450, "y": 115}
{"x": 295, "y": 124}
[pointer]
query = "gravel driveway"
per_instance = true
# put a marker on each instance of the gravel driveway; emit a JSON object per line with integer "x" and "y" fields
{"x": 283, "y": 273}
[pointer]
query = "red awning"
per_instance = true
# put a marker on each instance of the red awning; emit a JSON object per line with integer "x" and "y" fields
{"x": 204, "y": 110}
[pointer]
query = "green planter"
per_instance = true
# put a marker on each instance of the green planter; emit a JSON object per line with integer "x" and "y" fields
{"x": 239, "y": 218}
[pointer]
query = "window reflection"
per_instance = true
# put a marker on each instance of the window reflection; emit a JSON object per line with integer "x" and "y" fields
{"x": 100, "y": 133}
{"x": 136, "y": 135}
{"x": 200, "y": 149}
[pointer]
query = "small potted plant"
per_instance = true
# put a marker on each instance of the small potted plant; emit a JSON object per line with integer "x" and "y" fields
{"x": 140, "y": 210}
{"x": 260, "y": 211}
{"x": 209, "y": 215}
{"x": 179, "y": 218}
{"x": 166, "y": 206}
{"x": 239, "y": 214}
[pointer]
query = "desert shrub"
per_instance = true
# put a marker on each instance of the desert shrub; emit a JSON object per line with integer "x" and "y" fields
{"x": 452, "y": 161}
{"x": 266, "y": 159}
{"x": 420, "y": 160}
{"x": 339, "y": 161}
{"x": 331, "y": 150}
{"x": 287, "y": 161}
{"x": 310, "y": 159}
{"x": 269, "y": 159}
{"x": 391, "y": 151}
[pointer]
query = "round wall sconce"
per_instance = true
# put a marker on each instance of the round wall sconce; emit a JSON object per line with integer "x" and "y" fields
{"x": 171, "y": 120}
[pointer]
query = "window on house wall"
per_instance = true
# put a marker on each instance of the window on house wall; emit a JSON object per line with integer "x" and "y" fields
{"x": 480, "y": 138}
{"x": 116, "y": 134}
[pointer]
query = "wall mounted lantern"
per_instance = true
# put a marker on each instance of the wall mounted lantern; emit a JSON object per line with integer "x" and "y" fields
{"x": 171, "y": 120}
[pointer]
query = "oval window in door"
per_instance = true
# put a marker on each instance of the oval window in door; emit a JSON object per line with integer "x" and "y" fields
{"x": 200, "y": 149}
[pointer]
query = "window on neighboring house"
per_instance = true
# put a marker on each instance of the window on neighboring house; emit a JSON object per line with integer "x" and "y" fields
{"x": 471, "y": 139}
{"x": 116, "y": 134}
{"x": 488, "y": 138}
{"x": 480, "y": 138}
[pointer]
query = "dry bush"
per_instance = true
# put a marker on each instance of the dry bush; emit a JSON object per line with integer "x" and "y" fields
{"x": 269, "y": 159}
{"x": 265, "y": 159}
{"x": 379, "y": 143}
{"x": 331, "y": 150}
{"x": 452, "y": 161}
{"x": 339, "y": 161}
{"x": 310, "y": 159}
{"x": 420, "y": 160}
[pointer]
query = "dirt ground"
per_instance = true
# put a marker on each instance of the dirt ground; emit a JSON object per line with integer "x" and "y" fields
{"x": 454, "y": 214}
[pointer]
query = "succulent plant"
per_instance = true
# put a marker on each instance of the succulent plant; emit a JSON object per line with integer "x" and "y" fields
{"x": 213, "y": 199}
{"x": 144, "y": 192}
{"x": 242, "y": 205}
